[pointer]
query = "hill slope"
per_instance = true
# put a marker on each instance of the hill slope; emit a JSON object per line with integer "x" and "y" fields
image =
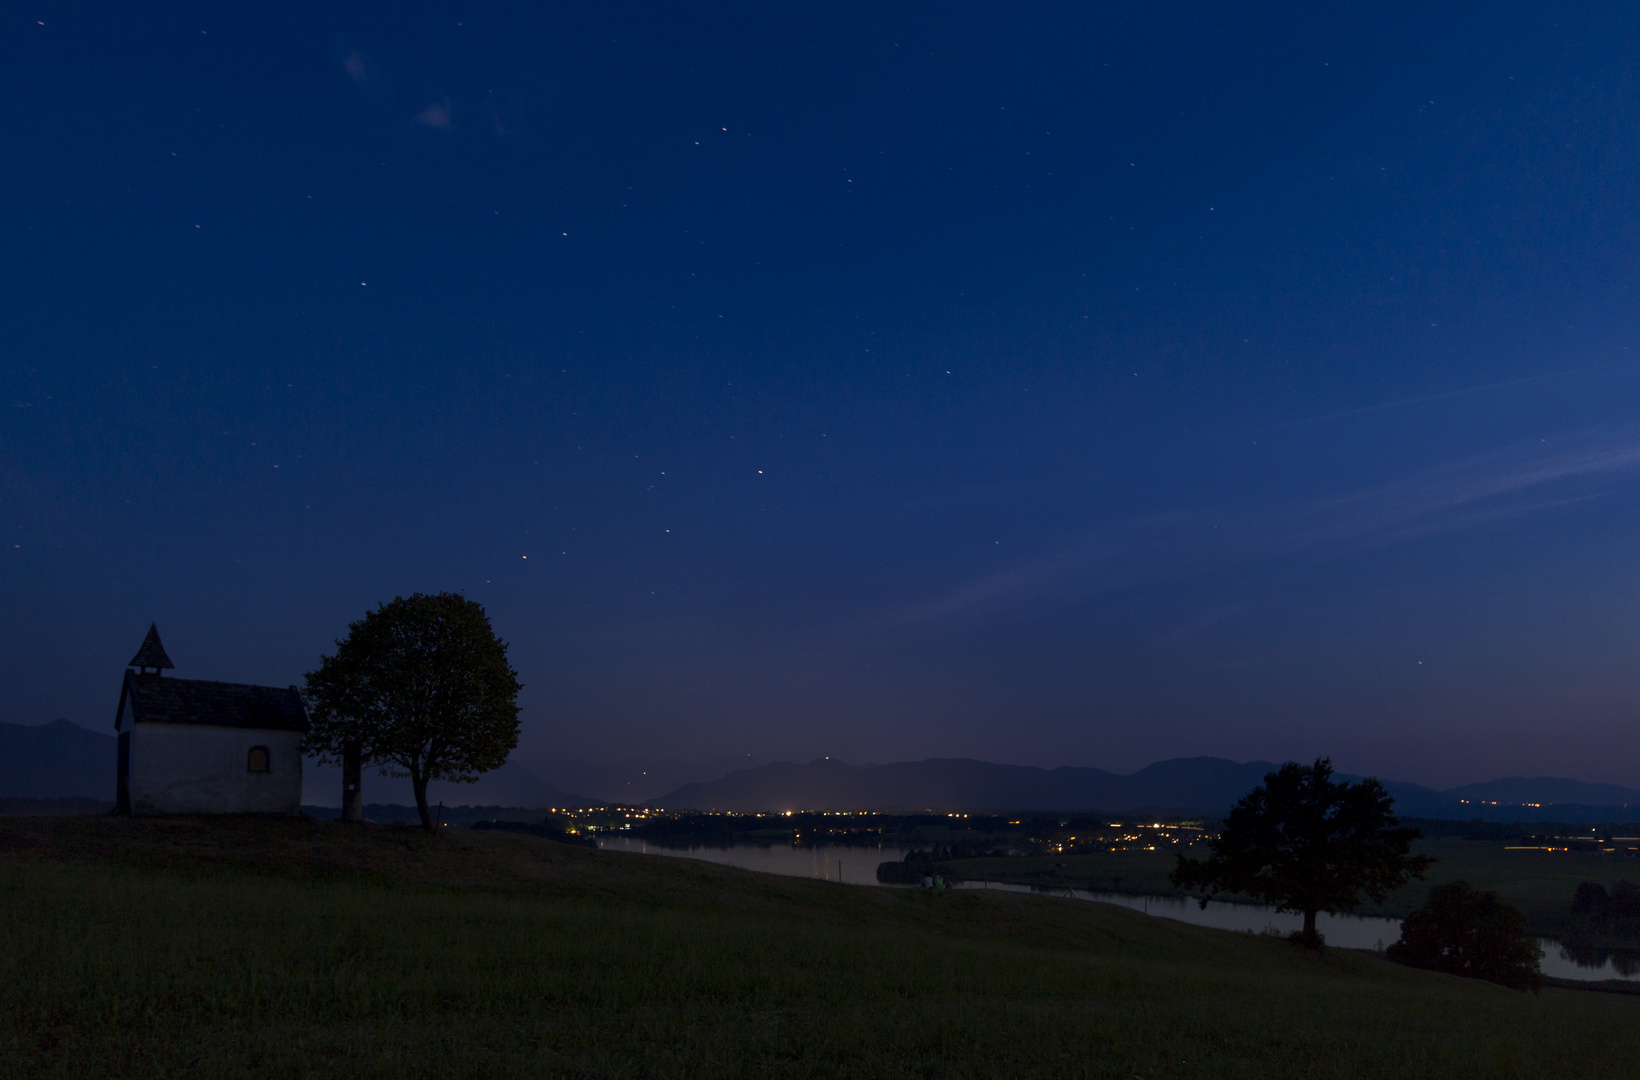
{"x": 253, "y": 947}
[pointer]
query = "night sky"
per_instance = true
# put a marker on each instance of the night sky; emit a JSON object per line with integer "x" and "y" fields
{"x": 1049, "y": 384}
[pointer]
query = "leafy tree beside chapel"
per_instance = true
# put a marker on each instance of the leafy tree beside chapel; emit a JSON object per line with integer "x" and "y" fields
{"x": 1307, "y": 843}
{"x": 420, "y": 687}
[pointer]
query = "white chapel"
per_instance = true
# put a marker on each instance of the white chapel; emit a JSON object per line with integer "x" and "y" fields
{"x": 188, "y": 746}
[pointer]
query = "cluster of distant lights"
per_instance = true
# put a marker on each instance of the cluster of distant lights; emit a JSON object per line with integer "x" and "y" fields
{"x": 646, "y": 814}
{"x": 572, "y": 812}
{"x": 1068, "y": 845}
{"x": 1566, "y": 843}
{"x": 1494, "y": 802}
{"x": 643, "y": 814}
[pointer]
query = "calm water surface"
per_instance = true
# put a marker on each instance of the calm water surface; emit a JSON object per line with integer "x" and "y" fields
{"x": 832, "y": 862}
{"x": 858, "y": 866}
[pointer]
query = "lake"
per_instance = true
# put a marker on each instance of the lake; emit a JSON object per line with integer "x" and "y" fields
{"x": 858, "y": 866}
{"x": 829, "y": 862}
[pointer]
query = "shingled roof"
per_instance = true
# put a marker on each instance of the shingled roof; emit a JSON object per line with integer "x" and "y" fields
{"x": 152, "y": 653}
{"x": 218, "y": 704}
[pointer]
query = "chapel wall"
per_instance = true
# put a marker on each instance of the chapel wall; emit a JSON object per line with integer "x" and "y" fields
{"x": 198, "y": 769}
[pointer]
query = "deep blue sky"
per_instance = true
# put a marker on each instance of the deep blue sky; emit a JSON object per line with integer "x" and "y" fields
{"x": 1047, "y": 384}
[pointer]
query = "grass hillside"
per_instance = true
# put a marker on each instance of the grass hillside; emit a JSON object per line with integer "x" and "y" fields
{"x": 205, "y": 948}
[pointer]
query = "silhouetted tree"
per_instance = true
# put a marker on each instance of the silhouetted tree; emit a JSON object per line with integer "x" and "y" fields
{"x": 1623, "y": 902}
{"x": 420, "y": 687}
{"x": 1478, "y": 935}
{"x": 1603, "y": 919}
{"x": 1590, "y": 899}
{"x": 1307, "y": 843}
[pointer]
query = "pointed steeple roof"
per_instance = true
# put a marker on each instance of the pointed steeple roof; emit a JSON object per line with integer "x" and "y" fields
{"x": 152, "y": 653}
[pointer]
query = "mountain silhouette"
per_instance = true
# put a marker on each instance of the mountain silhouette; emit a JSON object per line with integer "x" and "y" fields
{"x": 59, "y": 760}
{"x": 1547, "y": 790}
{"x": 62, "y": 760}
{"x": 1205, "y": 785}
{"x": 1202, "y": 784}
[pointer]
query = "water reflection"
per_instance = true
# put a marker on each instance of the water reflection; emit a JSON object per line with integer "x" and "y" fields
{"x": 1345, "y": 931}
{"x": 858, "y": 866}
{"x": 829, "y": 862}
{"x": 1624, "y": 963}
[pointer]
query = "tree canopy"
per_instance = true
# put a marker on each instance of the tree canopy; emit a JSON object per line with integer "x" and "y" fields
{"x": 1307, "y": 843}
{"x": 1463, "y": 931}
{"x": 423, "y": 688}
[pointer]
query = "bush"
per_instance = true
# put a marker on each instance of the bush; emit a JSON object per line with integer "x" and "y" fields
{"x": 898, "y": 873}
{"x": 1478, "y": 935}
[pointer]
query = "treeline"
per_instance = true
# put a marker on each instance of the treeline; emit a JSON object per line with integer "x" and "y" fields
{"x": 1546, "y": 832}
{"x": 1605, "y": 918}
{"x": 919, "y": 864}
{"x": 1607, "y": 907}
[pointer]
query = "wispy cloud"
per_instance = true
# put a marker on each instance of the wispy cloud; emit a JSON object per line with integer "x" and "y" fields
{"x": 1476, "y": 492}
{"x": 355, "y": 67}
{"x": 1023, "y": 581}
{"x": 437, "y": 116}
{"x": 1462, "y": 392}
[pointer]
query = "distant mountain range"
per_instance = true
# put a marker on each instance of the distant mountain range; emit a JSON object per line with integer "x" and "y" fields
{"x": 1205, "y": 785}
{"x": 59, "y": 760}
{"x": 62, "y": 760}
{"x": 1190, "y": 784}
{"x": 1546, "y": 790}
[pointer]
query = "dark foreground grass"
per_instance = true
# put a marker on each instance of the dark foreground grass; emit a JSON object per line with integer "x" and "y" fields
{"x": 132, "y": 948}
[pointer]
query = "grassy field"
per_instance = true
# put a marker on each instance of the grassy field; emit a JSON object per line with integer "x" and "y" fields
{"x": 198, "y": 948}
{"x": 1540, "y": 883}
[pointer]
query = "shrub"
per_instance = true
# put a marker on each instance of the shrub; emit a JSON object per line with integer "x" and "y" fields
{"x": 1478, "y": 935}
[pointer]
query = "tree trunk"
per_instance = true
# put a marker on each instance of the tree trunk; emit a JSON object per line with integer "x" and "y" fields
{"x": 352, "y": 773}
{"x": 419, "y": 782}
{"x": 1310, "y": 937}
{"x": 122, "y": 780}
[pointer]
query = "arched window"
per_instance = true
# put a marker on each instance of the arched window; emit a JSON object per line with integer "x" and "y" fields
{"x": 260, "y": 760}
